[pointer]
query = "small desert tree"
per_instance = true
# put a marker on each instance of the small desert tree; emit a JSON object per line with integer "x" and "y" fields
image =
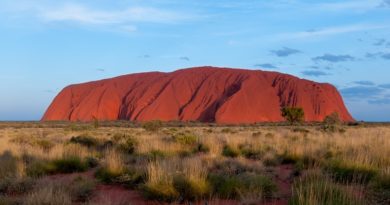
{"x": 332, "y": 119}
{"x": 293, "y": 114}
{"x": 331, "y": 122}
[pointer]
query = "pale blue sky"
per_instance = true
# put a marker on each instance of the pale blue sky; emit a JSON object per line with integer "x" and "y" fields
{"x": 46, "y": 45}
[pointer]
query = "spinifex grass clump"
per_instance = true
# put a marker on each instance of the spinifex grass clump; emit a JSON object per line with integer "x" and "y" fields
{"x": 152, "y": 126}
{"x": 49, "y": 194}
{"x": 317, "y": 189}
{"x": 241, "y": 185}
{"x": 250, "y": 152}
{"x": 84, "y": 140}
{"x": 128, "y": 145}
{"x": 115, "y": 171}
{"x": 73, "y": 158}
{"x": 230, "y": 151}
{"x": 170, "y": 180}
{"x": 349, "y": 171}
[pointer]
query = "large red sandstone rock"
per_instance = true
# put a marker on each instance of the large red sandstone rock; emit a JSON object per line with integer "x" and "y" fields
{"x": 205, "y": 94}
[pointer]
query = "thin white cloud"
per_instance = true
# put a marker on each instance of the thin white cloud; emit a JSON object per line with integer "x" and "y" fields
{"x": 355, "y": 5}
{"x": 82, "y": 14}
{"x": 330, "y": 31}
{"x": 122, "y": 19}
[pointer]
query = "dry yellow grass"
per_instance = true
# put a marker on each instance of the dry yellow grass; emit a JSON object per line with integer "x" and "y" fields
{"x": 362, "y": 147}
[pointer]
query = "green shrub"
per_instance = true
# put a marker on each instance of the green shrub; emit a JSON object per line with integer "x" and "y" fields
{"x": 343, "y": 171}
{"x": 229, "y": 151}
{"x": 270, "y": 160}
{"x": 224, "y": 186}
{"x": 185, "y": 139}
{"x": 236, "y": 186}
{"x": 8, "y": 166}
{"x": 256, "y": 134}
{"x": 250, "y": 153}
{"x": 69, "y": 165}
{"x": 201, "y": 148}
{"x": 254, "y": 183}
{"x": 91, "y": 162}
{"x": 152, "y": 126}
{"x": 39, "y": 168}
{"x": 129, "y": 178}
{"x": 160, "y": 191}
{"x": 288, "y": 158}
{"x": 45, "y": 145}
{"x": 316, "y": 188}
{"x": 269, "y": 135}
{"x": 120, "y": 136}
{"x": 232, "y": 166}
{"x": 191, "y": 189}
{"x": 129, "y": 145}
{"x": 106, "y": 176}
{"x": 84, "y": 140}
{"x": 156, "y": 154}
{"x": 293, "y": 114}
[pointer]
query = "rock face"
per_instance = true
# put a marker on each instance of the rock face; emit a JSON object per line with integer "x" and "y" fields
{"x": 205, "y": 94}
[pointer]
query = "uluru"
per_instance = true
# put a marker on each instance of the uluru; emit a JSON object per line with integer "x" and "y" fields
{"x": 204, "y": 94}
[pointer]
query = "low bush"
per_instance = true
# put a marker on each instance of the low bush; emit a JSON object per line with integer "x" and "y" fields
{"x": 106, "y": 175}
{"x": 249, "y": 152}
{"x": 241, "y": 185}
{"x": 45, "y": 145}
{"x": 84, "y": 140}
{"x": 69, "y": 165}
{"x": 8, "y": 165}
{"x": 200, "y": 148}
{"x": 185, "y": 138}
{"x": 256, "y": 134}
{"x": 156, "y": 154}
{"x": 224, "y": 186}
{"x": 229, "y": 151}
{"x": 129, "y": 145}
{"x": 152, "y": 126}
{"x": 39, "y": 168}
{"x": 288, "y": 158}
{"x": 344, "y": 171}
{"x": 91, "y": 162}
{"x": 191, "y": 189}
{"x": 128, "y": 177}
{"x": 234, "y": 167}
{"x": 316, "y": 188}
{"x": 269, "y": 135}
{"x": 161, "y": 191}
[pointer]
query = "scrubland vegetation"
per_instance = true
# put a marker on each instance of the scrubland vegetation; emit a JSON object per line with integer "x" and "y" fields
{"x": 322, "y": 164}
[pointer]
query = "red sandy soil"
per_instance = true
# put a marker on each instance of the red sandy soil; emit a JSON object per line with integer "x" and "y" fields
{"x": 205, "y": 94}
